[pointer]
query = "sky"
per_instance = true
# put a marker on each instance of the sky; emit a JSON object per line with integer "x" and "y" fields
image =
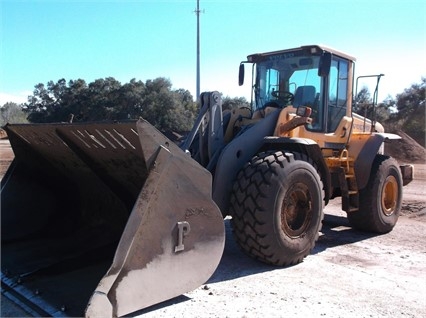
{"x": 145, "y": 39}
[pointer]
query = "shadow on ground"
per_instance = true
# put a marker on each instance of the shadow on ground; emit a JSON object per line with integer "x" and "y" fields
{"x": 234, "y": 264}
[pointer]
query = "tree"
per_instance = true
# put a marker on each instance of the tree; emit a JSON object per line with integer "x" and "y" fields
{"x": 190, "y": 109}
{"x": 232, "y": 103}
{"x": 362, "y": 101}
{"x": 12, "y": 113}
{"x": 108, "y": 99}
{"x": 364, "y": 106}
{"x": 40, "y": 104}
{"x": 167, "y": 109}
{"x": 411, "y": 111}
{"x": 131, "y": 95}
{"x": 412, "y": 99}
{"x": 73, "y": 101}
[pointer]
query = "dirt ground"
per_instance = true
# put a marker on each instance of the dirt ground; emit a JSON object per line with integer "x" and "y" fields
{"x": 348, "y": 274}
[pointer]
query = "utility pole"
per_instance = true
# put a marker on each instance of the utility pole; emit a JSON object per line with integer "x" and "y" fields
{"x": 197, "y": 12}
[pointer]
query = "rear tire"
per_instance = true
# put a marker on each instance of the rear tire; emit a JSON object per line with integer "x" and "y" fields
{"x": 380, "y": 200}
{"x": 277, "y": 207}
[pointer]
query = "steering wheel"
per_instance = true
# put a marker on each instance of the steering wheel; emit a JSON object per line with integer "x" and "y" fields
{"x": 283, "y": 96}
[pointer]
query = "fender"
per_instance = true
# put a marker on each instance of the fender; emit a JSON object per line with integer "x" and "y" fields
{"x": 366, "y": 156}
{"x": 236, "y": 154}
{"x": 308, "y": 147}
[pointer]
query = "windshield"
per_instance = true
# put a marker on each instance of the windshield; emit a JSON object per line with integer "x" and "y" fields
{"x": 287, "y": 79}
{"x": 291, "y": 78}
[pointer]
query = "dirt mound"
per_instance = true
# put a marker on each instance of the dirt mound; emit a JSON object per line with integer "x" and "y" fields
{"x": 406, "y": 150}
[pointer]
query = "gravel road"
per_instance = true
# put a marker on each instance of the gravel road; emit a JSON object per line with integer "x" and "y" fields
{"x": 348, "y": 274}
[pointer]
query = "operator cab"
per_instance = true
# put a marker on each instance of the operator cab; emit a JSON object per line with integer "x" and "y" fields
{"x": 312, "y": 76}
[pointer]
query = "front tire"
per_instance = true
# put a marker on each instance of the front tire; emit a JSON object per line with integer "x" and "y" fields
{"x": 380, "y": 201}
{"x": 277, "y": 207}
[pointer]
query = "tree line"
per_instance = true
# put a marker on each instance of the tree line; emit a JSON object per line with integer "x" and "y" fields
{"x": 108, "y": 99}
{"x": 175, "y": 109}
{"x": 405, "y": 112}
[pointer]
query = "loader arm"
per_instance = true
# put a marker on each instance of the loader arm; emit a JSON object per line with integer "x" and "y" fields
{"x": 225, "y": 160}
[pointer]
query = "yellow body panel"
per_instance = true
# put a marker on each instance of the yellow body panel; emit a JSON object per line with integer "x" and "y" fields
{"x": 351, "y": 133}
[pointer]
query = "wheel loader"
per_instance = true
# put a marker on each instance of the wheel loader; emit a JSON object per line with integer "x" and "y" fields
{"x": 104, "y": 219}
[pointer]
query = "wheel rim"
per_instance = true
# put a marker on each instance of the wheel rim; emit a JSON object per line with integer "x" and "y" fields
{"x": 389, "y": 195}
{"x": 296, "y": 210}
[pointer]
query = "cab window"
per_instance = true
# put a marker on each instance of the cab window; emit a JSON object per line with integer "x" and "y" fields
{"x": 337, "y": 93}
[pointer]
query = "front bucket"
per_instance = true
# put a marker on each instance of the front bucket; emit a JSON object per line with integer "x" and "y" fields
{"x": 75, "y": 191}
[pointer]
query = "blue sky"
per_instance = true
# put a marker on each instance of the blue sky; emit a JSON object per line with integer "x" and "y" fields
{"x": 146, "y": 39}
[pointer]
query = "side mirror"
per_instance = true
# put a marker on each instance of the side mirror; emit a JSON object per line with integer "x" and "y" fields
{"x": 324, "y": 64}
{"x": 241, "y": 75}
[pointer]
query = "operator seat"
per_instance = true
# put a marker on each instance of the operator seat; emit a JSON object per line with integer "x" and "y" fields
{"x": 304, "y": 96}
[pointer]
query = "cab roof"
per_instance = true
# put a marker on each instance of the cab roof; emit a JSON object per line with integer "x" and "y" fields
{"x": 311, "y": 48}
